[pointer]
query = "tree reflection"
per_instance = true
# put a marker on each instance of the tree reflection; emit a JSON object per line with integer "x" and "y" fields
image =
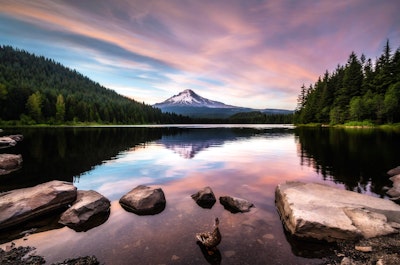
{"x": 358, "y": 158}
{"x": 65, "y": 153}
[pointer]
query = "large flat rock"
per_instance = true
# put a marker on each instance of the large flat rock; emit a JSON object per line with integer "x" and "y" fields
{"x": 21, "y": 205}
{"x": 317, "y": 211}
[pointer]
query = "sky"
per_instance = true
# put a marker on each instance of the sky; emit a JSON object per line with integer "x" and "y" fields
{"x": 248, "y": 53}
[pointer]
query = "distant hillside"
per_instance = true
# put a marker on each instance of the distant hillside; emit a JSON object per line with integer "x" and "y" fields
{"x": 38, "y": 90}
{"x": 190, "y": 104}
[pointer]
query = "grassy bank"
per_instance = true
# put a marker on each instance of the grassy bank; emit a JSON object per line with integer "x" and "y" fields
{"x": 354, "y": 124}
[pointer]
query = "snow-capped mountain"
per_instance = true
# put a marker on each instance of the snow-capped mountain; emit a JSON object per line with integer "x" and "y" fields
{"x": 188, "y": 98}
{"x": 190, "y": 104}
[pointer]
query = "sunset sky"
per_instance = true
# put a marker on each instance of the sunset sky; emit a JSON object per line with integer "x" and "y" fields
{"x": 249, "y": 53}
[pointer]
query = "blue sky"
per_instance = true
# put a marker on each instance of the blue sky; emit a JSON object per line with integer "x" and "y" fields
{"x": 249, "y": 53}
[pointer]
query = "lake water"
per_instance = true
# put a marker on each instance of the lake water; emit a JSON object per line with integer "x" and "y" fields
{"x": 246, "y": 161}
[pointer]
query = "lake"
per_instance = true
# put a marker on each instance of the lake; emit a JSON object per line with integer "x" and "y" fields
{"x": 246, "y": 161}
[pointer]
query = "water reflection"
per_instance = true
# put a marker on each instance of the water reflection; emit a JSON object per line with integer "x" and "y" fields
{"x": 240, "y": 162}
{"x": 357, "y": 158}
{"x": 213, "y": 258}
{"x": 188, "y": 142}
{"x": 62, "y": 153}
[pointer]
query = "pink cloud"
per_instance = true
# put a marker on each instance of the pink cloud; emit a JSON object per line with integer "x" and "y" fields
{"x": 264, "y": 50}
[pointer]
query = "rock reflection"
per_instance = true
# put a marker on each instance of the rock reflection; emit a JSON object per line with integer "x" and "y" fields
{"x": 94, "y": 221}
{"x": 310, "y": 248}
{"x": 37, "y": 225}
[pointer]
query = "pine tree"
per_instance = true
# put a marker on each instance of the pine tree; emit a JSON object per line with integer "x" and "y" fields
{"x": 60, "y": 109}
{"x": 34, "y": 106}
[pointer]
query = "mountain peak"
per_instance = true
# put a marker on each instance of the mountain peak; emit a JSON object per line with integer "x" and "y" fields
{"x": 187, "y": 91}
{"x": 188, "y": 98}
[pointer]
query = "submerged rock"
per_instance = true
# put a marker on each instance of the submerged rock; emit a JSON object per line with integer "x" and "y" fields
{"x": 317, "y": 211}
{"x": 87, "y": 260}
{"x": 21, "y": 205}
{"x": 89, "y": 210}
{"x": 16, "y": 137}
{"x": 10, "y": 140}
{"x": 9, "y": 163}
{"x": 144, "y": 200}
{"x": 6, "y": 141}
{"x": 235, "y": 205}
{"x": 205, "y": 198}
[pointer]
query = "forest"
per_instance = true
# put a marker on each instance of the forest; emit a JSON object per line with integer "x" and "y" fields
{"x": 362, "y": 91}
{"x": 35, "y": 90}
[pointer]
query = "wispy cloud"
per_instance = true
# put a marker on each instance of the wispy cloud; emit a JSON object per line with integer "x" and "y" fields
{"x": 243, "y": 52}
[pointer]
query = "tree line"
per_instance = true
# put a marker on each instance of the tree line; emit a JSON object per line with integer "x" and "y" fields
{"x": 34, "y": 89}
{"x": 361, "y": 91}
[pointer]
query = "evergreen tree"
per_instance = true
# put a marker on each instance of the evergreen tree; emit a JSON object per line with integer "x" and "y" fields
{"x": 60, "y": 109}
{"x": 36, "y": 89}
{"x": 357, "y": 91}
{"x": 34, "y": 106}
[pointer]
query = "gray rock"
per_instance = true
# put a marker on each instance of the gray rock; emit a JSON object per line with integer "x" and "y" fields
{"x": 21, "y": 205}
{"x": 89, "y": 210}
{"x": 317, "y": 211}
{"x": 394, "y": 171}
{"x": 235, "y": 205}
{"x": 9, "y": 163}
{"x": 205, "y": 198}
{"x": 144, "y": 200}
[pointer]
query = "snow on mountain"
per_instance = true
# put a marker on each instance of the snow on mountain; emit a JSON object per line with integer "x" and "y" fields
{"x": 190, "y": 104}
{"x": 188, "y": 98}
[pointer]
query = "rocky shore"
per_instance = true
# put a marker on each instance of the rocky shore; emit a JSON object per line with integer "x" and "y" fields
{"x": 382, "y": 250}
{"x": 26, "y": 256}
{"x": 363, "y": 229}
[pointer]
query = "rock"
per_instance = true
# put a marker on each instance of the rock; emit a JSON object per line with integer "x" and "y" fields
{"x": 87, "y": 260}
{"x": 317, "y": 211}
{"x": 394, "y": 171}
{"x": 6, "y": 141}
{"x": 16, "y": 137}
{"x": 364, "y": 249}
{"x": 18, "y": 206}
{"x": 10, "y": 140}
{"x": 89, "y": 210}
{"x": 235, "y": 205}
{"x": 9, "y": 163}
{"x": 394, "y": 191}
{"x": 20, "y": 255}
{"x": 175, "y": 258}
{"x": 205, "y": 198}
{"x": 144, "y": 200}
{"x": 346, "y": 261}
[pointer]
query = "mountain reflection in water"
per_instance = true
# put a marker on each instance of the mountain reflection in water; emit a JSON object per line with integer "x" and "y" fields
{"x": 241, "y": 161}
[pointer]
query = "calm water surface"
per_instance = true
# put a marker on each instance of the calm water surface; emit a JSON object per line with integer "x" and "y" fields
{"x": 241, "y": 161}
